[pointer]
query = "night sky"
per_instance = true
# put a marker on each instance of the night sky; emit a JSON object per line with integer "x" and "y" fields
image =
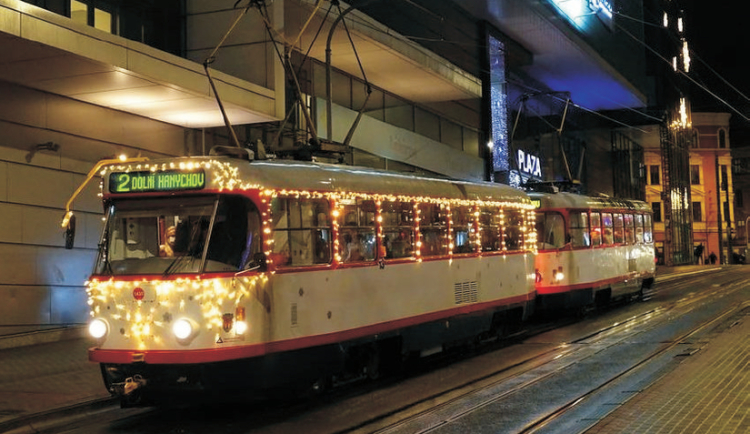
{"x": 718, "y": 36}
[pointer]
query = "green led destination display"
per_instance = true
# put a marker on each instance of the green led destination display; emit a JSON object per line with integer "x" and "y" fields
{"x": 168, "y": 180}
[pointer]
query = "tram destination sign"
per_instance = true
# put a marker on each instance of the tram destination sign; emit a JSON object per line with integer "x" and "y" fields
{"x": 168, "y": 180}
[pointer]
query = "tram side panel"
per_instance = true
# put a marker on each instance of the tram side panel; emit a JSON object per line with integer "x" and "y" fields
{"x": 425, "y": 304}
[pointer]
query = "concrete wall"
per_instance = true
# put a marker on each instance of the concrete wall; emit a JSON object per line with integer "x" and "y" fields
{"x": 41, "y": 283}
{"x": 394, "y": 143}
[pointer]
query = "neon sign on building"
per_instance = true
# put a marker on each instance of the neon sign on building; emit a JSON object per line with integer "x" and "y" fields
{"x": 529, "y": 164}
{"x": 576, "y": 11}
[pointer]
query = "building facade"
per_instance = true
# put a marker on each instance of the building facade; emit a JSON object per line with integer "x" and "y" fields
{"x": 712, "y": 195}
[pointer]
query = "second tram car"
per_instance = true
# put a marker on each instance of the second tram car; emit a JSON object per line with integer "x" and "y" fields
{"x": 591, "y": 250}
{"x": 218, "y": 273}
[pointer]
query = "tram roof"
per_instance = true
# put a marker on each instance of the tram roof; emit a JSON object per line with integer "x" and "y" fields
{"x": 577, "y": 201}
{"x": 294, "y": 175}
{"x": 286, "y": 174}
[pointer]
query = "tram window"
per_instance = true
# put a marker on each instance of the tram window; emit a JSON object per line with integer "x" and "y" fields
{"x": 579, "y": 229}
{"x": 357, "y": 231}
{"x": 489, "y": 229}
{"x": 433, "y": 227}
{"x": 513, "y": 235}
{"x": 607, "y": 225}
{"x": 235, "y": 238}
{"x": 550, "y": 230}
{"x": 638, "y": 228}
{"x": 618, "y": 228}
{"x": 648, "y": 231}
{"x": 629, "y": 233}
{"x": 301, "y": 231}
{"x": 596, "y": 229}
{"x": 139, "y": 236}
{"x": 462, "y": 224}
{"x": 398, "y": 229}
{"x": 155, "y": 236}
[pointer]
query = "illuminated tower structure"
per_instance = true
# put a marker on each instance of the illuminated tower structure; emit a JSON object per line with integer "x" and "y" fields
{"x": 670, "y": 66}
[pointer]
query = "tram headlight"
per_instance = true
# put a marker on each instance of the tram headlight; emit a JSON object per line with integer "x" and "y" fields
{"x": 559, "y": 275}
{"x": 240, "y": 327}
{"x": 98, "y": 328}
{"x": 184, "y": 329}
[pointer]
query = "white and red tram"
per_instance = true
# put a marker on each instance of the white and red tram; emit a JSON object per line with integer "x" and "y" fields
{"x": 221, "y": 273}
{"x": 591, "y": 250}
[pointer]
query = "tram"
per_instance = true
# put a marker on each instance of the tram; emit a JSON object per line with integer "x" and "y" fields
{"x": 219, "y": 273}
{"x": 591, "y": 250}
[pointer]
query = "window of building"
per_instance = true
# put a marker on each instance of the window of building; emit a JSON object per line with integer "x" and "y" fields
{"x": 695, "y": 174}
{"x": 92, "y": 13}
{"x": 724, "y": 177}
{"x": 726, "y": 212}
{"x": 722, "y": 138}
{"x": 697, "y": 212}
{"x": 79, "y": 12}
{"x": 450, "y": 134}
{"x": 656, "y": 209}
{"x": 654, "y": 172}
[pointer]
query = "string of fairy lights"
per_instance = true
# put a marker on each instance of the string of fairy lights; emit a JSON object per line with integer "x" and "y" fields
{"x": 146, "y": 323}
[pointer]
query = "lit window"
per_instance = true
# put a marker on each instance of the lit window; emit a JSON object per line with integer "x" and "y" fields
{"x": 79, "y": 12}
{"x": 103, "y": 20}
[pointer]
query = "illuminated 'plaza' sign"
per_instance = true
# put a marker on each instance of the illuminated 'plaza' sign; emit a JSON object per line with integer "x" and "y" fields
{"x": 140, "y": 182}
{"x": 577, "y": 10}
{"x": 529, "y": 164}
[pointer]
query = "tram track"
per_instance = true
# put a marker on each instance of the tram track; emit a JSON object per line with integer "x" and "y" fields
{"x": 536, "y": 426}
{"x": 434, "y": 412}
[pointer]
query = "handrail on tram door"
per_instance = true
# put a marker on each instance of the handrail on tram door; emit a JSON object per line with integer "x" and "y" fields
{"x": 68, "y": 222}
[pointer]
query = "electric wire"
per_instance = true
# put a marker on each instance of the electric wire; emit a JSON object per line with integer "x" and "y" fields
{"x": 682, "y": 73}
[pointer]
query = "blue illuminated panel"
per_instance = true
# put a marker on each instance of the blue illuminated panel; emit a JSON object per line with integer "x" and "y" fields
{"x": 576, "y": 11}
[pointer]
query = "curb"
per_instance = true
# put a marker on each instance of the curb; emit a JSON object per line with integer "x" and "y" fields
{"x": 42, "y": 336}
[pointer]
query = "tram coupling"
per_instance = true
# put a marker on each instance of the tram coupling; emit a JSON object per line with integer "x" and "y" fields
{"x": 130, "y": 387}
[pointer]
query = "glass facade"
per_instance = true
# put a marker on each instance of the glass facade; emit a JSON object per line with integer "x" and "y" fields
{"x": 158, "y": 24}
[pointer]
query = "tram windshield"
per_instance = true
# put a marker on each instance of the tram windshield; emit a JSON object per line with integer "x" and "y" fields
{"x": 550, "y": 229}
{"x": 180, "y": 235}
